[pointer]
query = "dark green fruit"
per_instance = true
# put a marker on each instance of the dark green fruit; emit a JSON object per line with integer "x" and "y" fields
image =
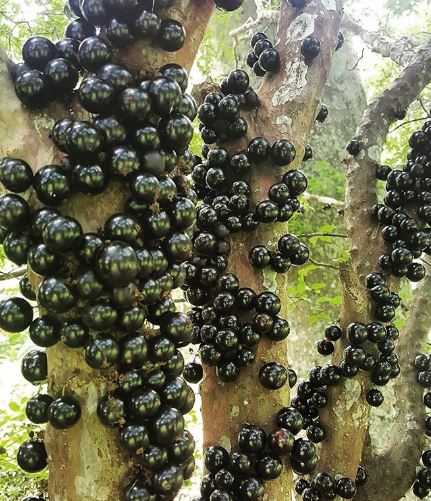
{"x": 95, "y": 12}
{"x": 182, "y": 448}
{"x": 26, "y": 288}
{"x": 268, "y": 467}
{"x": 96, "y": 95}
{"x": 133, "y": 351}
{"x": 252, "y": 439}
{"x": 45, "y": 331}
{"x": 117, "y": 76}
{"x": 310, "y": 47}
{"x": 147, "y": 25}
{"x": 64, "y": 412}
{"x": 74, "y": 334}
{"x": 79, "y": 29}
{"x": 16, "y": 314}
{"x": 55, "y": 295}
{"x": 251, "y": 489}
{"x": 216, "y": 458}
{"x": 177, "y": 327}
{"x": 15, "y": 174}
{"x": 99, "y": 316}
{"x": 37, "y": 51}
{"x": 134, "y": 437}
{"x": 101, "y": 353}
{"x": 34, "y": 367}
{"x": 62, "y": 234}
{"x": 14, "y": 212}
{"x": 32, "y": 456}
{"x": 67, "y": 48}
{"x": 111, "y": 411}
{"x": 43, "y": 260}
{"x": 144, "y": 403}
{"x": 83, "y": 140}
{"x": 168, "y": 480}
{"x": 193, "y": 372}
{"x": 93, "y": 53}
{"x": 32, "y": 88}
{"x": 61, "y": 75}
{"x": 167, "y": 426}
{"x": 117, "y": 263}
{"x": 171, "y": 35}
{"x": 36, "y": 408}
{"x": 52, "y": 185}
{"x": 273, "y": 376}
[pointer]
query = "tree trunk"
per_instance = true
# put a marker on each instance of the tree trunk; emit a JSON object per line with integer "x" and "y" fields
{"x": 288, "y": 104}
{"x": 85, "y": 462}
{"x": 343, "y": 91}
{"x": 347, "y": 415}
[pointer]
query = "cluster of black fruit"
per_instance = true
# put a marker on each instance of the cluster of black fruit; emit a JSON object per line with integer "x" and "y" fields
{"x": 422, "y": 484}
{"x": 108, "y": 293}
{"x": 221, "y": 181}
{"x": 326, "y": 486}
{"x": 51, "y": 71}
{"x": 219, "y": 115}
{"x": 289, "y": 249}
{"x": 262, "y": 58}
{"x": 259, "y": 458}
{"x": 381, "y": 364}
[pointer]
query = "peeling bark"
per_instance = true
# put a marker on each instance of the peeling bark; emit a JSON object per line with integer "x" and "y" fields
{"x": 85, "y": 462}
{"x": 288, "y": 104}
{"x": 343, "y": 448}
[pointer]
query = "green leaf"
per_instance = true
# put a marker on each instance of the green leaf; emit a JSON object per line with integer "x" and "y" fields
{"x": 13, "y": 406}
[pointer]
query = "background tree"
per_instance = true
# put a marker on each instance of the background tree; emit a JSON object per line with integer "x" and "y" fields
{"x": 343, "y": 450}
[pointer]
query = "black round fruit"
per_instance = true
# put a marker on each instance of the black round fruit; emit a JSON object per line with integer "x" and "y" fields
{"x": 64, "y": 412}
{"x": 36, "y": 408}
{"x": 16, "y": 314}
{"x": 310, "y": 47}
{"x": 273, "y": 376}
{"x": 32, "y": 456}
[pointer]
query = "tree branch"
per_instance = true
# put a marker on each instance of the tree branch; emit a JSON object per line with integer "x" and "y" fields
{"x": 88, "y": 449}
{"x": 343, "y": 449}
{"x": 288, "y": 101}
{"x": 401, "y": 456}
{"x": 401, "y": 51}
{"x": 312, "y": 197}
{"x": 10, "y": 275}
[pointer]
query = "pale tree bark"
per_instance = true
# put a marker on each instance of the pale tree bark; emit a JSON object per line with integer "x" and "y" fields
{"x": 346, "y": 417}
{"x": 85, "y": 462}
{"x": 344, "y": 96}
{"x": 288, "y": 105}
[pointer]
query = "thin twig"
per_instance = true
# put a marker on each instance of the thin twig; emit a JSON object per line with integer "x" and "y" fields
{"x": 323, "y": 265}
{"x": 12, "y": 274}
{"x": 428, "y": 112}
{"x": 408, "y": 122}
{"x": 332, "y": 202}
{"x": 311, "y": 235}
{"x": 358, "y": 61}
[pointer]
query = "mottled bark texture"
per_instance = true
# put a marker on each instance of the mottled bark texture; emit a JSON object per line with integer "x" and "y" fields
{"x": 344, "y": 96}
{"x": 288, "y": 105}
{"x": 85, "y": 462}
{"x": 346, "y": 417}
